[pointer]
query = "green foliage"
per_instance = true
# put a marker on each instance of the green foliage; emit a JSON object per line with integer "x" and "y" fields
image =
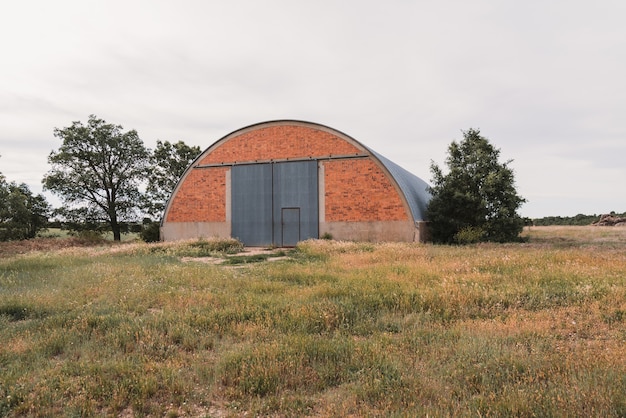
{"x": 150, "y": 232}
{"x": 246, "y": 259}
{"x": 169, "y": 162}
{"x": 327, "y": 236}
{"x": 22, "y": 215}
{"x": 97, "y": 172}
{"x": 580, "y": 219}
{"x": 198, "y": 248}
{"x": 469, "y": 235}
{"x": 206, "y": 247}
{"x": 90, "y": 236}
{"x": 478, "y": 193}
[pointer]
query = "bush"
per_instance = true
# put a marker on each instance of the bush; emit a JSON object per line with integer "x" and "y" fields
{"x": 469, "y": 235}
{"x": 151, "y": 232}
{"x": 89, "y": 236}
{"x": 207, "y": 247}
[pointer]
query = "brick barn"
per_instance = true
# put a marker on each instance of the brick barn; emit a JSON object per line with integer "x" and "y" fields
{"x": 280, "y": 182}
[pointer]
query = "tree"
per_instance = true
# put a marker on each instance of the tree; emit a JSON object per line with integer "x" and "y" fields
{"x": 476, "y": 200}
{"x": 97, "y": 172}
{"x": 22, "y": 215}
{"x": 169, "y": 162}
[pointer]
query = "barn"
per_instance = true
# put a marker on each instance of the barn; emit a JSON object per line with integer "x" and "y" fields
{"x": 281, "y": 182}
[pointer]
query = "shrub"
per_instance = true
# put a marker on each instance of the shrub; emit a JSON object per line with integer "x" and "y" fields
{"x": 89, "y": 236}
{"x": 151, "y": 232}
{"x": 206, "y": 247}
{"x": 469, "y": 235}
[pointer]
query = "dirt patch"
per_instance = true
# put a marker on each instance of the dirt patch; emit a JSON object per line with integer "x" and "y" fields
{"x": 205, "y": 260}
{"x": 248, "y": 256}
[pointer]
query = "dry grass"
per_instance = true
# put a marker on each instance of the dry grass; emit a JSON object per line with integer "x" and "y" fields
{"x": 338, "y": 329}
{"x": 48, "y": 244}
{"x": 577, "y": 235}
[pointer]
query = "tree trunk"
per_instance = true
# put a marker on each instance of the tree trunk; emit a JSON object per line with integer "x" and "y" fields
{"x": 117, "y": 235}
{"x": 115, "y": 226}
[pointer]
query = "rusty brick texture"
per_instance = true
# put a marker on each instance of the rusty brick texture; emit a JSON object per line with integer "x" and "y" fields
{"x": 358, "y": 190}
{"x": 279, "y": 142}
{"x": 201, "y": 198}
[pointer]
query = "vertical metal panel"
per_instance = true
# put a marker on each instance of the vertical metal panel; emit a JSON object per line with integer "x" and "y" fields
{"x": 295, "y": 186}
{"x": 275, "y": 203}
{"x": 290, "y": 221}
{"x": 252, "y": 204}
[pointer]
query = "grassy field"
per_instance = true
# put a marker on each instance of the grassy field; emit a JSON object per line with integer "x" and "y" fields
{"x": 336, "y": 329}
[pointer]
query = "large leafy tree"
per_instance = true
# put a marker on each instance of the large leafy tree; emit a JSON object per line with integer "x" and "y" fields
{"x": 169, "y": 161}
{"x": 476, "y": 199}
{"x": 22, "y": 214}
{"x": 97, "y": 172}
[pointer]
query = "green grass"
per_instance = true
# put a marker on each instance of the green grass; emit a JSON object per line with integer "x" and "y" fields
{"x": 337, "y": 329}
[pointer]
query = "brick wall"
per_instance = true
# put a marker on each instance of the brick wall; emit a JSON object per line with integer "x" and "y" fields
{"x": 280, "y": 142}
{"x": 358, "y": 190}
{"x": 201, "y": 198}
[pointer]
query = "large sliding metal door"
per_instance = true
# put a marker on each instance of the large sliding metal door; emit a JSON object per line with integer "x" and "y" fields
{"x": 275, "y": 203}
{"x": 295, "y": 187}
{"x": 251, "y": 191}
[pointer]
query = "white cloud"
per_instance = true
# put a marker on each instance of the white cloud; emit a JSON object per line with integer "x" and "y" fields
{"x": 544, "y": 81}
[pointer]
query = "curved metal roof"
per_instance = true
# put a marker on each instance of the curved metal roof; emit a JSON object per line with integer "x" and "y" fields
{"x": 414, "y": 188}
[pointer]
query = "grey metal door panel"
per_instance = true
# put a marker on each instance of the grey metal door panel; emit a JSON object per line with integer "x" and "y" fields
{"x": 295, "y": 186}
{"x": 274, "y": 203}
{"x": 290, "y": 220}
{"x": 252, "y": 203}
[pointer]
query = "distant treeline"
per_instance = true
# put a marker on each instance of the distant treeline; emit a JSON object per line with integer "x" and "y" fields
{"x": 579, "y": 219}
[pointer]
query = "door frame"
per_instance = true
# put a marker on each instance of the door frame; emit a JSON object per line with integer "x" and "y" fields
{"x": 288, "y": 230}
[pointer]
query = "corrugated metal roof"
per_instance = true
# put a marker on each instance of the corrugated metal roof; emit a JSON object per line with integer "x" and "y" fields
{"x": 415, "y": 189}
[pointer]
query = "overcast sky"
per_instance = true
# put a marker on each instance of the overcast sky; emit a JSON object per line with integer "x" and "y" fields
{"x": 543, "y": 80}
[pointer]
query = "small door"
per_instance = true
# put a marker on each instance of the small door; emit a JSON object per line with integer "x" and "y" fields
{"x": 290, "y": 226}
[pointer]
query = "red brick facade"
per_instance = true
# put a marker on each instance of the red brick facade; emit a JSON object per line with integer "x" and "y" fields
{"x": 355, "y": 189}
{"x": 358, "y": 190}
{"x": 201, "y": 198}
{"x": 280, "y": 142}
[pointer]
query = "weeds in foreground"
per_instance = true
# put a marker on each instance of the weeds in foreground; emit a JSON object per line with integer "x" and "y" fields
{"x": 337, "y": 329}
